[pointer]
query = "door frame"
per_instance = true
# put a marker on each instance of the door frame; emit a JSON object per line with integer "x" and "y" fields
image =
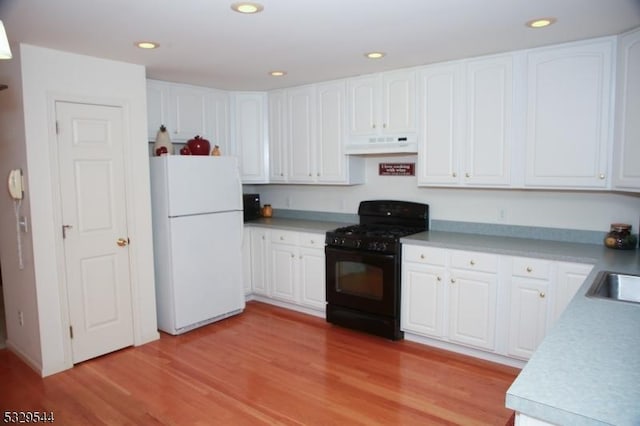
{"x": 56, "y": 201}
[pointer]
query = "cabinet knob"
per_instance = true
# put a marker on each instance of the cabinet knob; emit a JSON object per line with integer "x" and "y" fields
{"x": 422, "y": 256}
{"x": 438, "y": 279}
{"x": 313, "y": 242}
{"x": 373, "y": 126}
{"x": 318, "y": 174}
{"x": 384, "y": 125}
{"x": 466, "y": 175}
{"x": 263, "y": 237}
{"x": 601, "y": 176}
{"x": 454, "y": 174}
{"x": 529, "y": 269}
{"x": 542, "y": 295}
{"x": 472, "y": 262}
{"x": 281, "y": 174}
{"x": 453, "y": 281}
{"x": 293, "y": 255}
{"x": 281, "y": 238}
{"x": 310, "y": 174}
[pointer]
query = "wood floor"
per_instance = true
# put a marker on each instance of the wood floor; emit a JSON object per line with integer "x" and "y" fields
{"x": 267, "y": 366}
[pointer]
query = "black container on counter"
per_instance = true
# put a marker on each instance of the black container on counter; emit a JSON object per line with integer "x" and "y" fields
{"x": 620, "y": 237}
{"x": 251, "y": 206}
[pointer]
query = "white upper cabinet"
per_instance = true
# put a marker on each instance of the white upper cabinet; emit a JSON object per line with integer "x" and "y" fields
{"x": 188, "y": 111}
{"x": 466, "y": 112}
{"x": 626, "y": 160}
{"x": 157, "y": 107}
{"x": 250, "y": 135}
{"x": 382, "y": 104}
{"x": 332, "y": 165}
{"x": 568, "y": 128}
{"x": 277, "y": 134}
{"x": 307, "y": 127}
{"x": 301, "y": 134}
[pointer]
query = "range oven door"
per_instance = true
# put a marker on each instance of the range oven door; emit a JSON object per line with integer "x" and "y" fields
{"x": 363, "y": 281}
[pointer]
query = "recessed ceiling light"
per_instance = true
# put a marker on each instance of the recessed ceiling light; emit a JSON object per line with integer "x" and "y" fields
{"x": 247, "y": 7}
{"x": 375, "y": 55}
{"x": 146, "y": 44}
{"x": 277, "y": 73}
{"x": 540, "y": 22}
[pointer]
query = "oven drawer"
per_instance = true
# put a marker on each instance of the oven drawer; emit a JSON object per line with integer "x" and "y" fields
{"x": 474, "y": 261}
{"x": 531, "y": 268}
{"x": 426, "y": 255}
{"x": 284, "y": 237}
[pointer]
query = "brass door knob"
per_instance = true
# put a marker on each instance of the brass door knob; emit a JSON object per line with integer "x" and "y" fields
{"x": 122, "y": 242}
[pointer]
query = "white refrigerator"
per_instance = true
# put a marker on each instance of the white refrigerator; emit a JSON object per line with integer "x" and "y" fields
{"x": 197, "y": 237}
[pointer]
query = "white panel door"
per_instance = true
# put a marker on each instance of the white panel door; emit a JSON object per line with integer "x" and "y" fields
{"x": 187, "y": 109}
{"x": 423, "y": 289}
{"x": 626, "y": 166}
{"x": 569, "y": 279}
{"x": 94, "y": 215}
{"x": 301, "y": 134}
{"x": 330, "y": 132}
{"x": 312, "y": 277}
{"x": 528, "y": 316}
{"x": 398, "y": 109}
{"x": 441, "y": 124}
{"x": 489, "y": 109}
{"x": 284, "y": 272}
{"x": 364, "y": 102}
{"x": 250, "y": 136}
{"x": 260, "y": 261}
{"x": 472, "y": 308}
{"x": 568, "y": 116}
{"x": 277, "y": 137}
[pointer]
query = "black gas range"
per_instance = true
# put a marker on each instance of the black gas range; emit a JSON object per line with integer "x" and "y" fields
{"x": 363, "y": 264}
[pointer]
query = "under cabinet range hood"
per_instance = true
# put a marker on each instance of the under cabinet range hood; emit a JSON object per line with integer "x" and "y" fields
{"x": 406, "y": 144}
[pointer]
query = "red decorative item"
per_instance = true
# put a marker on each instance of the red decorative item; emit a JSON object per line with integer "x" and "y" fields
{"x": 185, "y": 150}
{"x": 199, "y": 146}
{"x": 162, "y": 151}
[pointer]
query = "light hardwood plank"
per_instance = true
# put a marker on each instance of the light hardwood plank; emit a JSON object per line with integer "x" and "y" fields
{"x": 267, "y": 366}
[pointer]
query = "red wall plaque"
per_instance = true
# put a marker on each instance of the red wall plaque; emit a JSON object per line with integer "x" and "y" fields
{"x": 397, "y": 169}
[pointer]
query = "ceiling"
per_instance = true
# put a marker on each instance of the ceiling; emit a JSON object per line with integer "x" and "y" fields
{"x": 204, "y": 42}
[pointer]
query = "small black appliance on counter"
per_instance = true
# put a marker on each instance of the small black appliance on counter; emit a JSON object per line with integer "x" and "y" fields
{"x": 251, "y": 206}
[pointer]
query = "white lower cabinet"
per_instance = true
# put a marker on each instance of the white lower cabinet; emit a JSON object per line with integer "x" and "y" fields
{"x": 528, "y": 305}
{"x": 493, "y": 303}
{"x": 288, "y": 267}
{"x": 467, "y": 280}
{"x": 259, "y": 238}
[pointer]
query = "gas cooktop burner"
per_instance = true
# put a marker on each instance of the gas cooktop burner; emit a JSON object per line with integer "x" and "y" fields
{"x": 380, "y": 231}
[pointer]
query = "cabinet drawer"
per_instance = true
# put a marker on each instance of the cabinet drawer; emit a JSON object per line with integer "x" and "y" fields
{"x": 474, "y": 261}
{"x": 311, "y": 240}
{"x": 531, "y": 268}
{"x": 284, "y": 237}
{"x": 427, "y": 255}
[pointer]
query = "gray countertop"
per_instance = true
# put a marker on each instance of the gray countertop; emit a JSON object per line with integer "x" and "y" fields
{"x": 587, "y": 369}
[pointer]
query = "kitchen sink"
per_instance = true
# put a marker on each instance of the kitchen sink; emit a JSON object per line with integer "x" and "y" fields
{"x": 615, "y": 286}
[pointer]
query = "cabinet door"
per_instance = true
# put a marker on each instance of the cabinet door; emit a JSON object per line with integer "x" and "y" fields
{"x": 284, "y": 272}
{"x": 300, "y": 134}
{"x": 259, "y": 261}
{"x": 423, "y": 289}
{"x": 277, "y": 137}
{"x": 312, "y": 278}
{"x": 218, "y": 119}
{"x": 626, "y": 165}
{"x": 331, "y": 161}
{"x": 441, "y": 121}
{"x": 364, "y": 100}
{"x": 398, "y": 109}
{"x": 246, "y": 260}
{"x": 187, "y": 109}
{"x": 250, "y": 138}
{"x": 568, "y": 124}
{"x": 528, "y": 309}
{"x": 472, "y": 308}
{"x": 157, "y": 108}
{"x": 569, "y": 278}
{"x": 489, "y": 100}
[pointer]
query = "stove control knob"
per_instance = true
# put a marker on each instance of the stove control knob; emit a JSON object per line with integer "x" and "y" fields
{"x": 383, "y": 246}
{"x": 357, "y": 243}
{"x": 373, "y": 246}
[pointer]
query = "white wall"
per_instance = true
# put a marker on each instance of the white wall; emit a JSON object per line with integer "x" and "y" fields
{"x": 47, "y": 75}
{"x": 581, "y": 210}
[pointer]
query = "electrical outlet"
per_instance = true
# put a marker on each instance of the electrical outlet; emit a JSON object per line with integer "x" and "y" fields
{"x": 20, "y": 318}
